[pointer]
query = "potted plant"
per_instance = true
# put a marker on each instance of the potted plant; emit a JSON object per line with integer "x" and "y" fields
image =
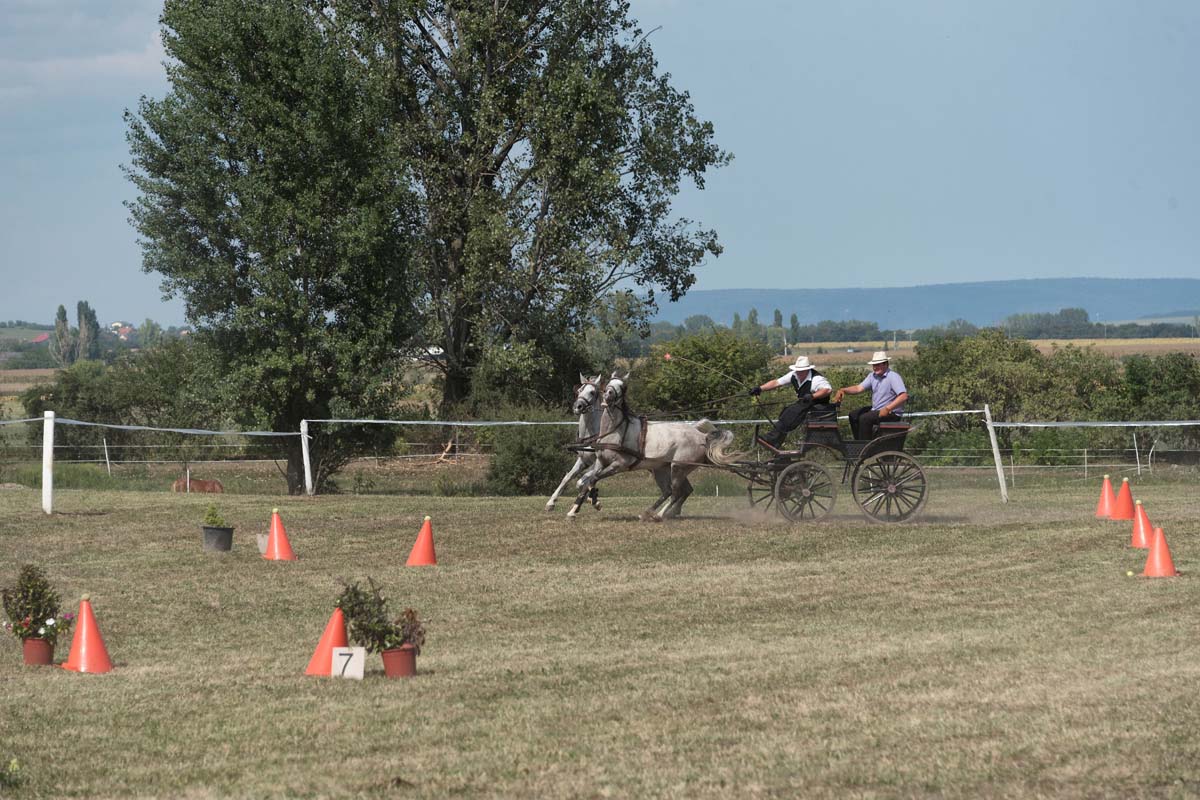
{"x": 32, "y": 607}
{"x": 397, "y": 641}
{"x": 217, "y": 535}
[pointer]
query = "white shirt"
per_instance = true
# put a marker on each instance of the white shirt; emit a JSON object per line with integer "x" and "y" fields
{"x": 819, "y": 382}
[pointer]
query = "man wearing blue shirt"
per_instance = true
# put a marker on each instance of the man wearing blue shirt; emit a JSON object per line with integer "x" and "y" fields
{"x": 888, "y": 395}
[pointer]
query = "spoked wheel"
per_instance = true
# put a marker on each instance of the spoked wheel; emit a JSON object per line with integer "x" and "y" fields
{"x": 890, "y": 487}
{"x": 805, "y": 491}
{"x": 761, "y": 490}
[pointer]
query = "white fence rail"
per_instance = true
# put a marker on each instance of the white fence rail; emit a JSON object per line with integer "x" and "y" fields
{"x": 1088, "y": 459}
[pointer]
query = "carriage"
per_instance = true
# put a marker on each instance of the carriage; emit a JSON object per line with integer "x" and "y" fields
{"x": 887, "y": 484}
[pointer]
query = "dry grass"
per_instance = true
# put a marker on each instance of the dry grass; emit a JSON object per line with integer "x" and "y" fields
{"x": 1125, "y": 347}
{"x": 835, "y": 353}
{"x": 15, "y": 381}
{"x": 988, "y": 650}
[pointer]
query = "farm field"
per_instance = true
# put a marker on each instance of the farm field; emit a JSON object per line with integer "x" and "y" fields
{"x": 15, "y": 381}
{"x": 1125, "y": 347}
{"x": 987, "y": 650}
{"x": 836, "y": 353}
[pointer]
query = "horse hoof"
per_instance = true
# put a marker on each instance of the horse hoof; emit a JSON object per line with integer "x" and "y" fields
{"x": 549, "y": 506}
{"x": 656, "y": 518}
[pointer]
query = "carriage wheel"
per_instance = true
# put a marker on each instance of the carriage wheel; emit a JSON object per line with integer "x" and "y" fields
{"x": 761, "y": 490}
{"x": 890, "y": 487}
{"x": 805, "y": 491}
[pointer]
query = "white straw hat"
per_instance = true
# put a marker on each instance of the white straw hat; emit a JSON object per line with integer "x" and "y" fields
{"x": 880, "y": 357}
{"x": 801, "y": 363}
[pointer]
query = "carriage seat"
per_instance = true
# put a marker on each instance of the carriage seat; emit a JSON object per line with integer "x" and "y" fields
{"x": 823, "y": 417}
{"x": 893, "y": 427}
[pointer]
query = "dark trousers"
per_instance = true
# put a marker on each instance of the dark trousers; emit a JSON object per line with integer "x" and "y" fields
{"x": 863, "y": 422}
{"x": 791, "y": 418}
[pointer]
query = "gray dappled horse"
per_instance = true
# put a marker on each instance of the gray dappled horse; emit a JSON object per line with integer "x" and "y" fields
{"x": 670, "y": 450}
{"x": 587, "y": 406}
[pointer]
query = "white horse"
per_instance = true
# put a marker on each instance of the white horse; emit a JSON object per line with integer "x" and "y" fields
{"x": 587, "y": 406}
{"x": 670, "y": 450}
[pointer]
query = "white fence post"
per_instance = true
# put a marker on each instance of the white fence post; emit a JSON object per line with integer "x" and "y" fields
{"x": 1136, "y": 456}
{"x": 987, "y": 418}
{"x": 308, "y": 482}
{"x": 107, "y": 463}
{"x": 48, "y": 463}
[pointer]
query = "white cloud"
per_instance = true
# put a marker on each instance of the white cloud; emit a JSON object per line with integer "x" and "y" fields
{"x": 50, "y": 73}
{"x": 55, "y": 48}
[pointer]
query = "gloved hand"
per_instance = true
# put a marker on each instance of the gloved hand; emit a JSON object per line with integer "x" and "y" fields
{"x": 807, "y": 398}
{"x": 756, "y": 391}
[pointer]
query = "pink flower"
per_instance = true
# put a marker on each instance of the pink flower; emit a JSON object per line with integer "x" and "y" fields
{"x": 667, "y": 356}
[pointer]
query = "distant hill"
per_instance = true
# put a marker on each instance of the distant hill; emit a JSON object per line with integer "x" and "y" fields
{"x": 983, "y": 303}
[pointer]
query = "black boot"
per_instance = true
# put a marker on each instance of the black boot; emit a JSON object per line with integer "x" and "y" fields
{"x": 773, "y": 438}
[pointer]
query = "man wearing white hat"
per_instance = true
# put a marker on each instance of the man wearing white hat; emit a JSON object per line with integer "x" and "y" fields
{"x": 888, "y": 395}
{"x": 812, "y": 388}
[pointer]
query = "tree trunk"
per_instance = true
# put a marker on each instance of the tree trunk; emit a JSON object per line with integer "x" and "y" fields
{"x": 295, "y": 468}
{"x": 457, "y": 385}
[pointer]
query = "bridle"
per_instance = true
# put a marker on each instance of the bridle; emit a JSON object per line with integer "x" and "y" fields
{"x": 582, "y": 395}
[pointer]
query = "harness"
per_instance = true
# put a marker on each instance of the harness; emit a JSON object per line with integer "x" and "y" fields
{"x": 593, "y": 442}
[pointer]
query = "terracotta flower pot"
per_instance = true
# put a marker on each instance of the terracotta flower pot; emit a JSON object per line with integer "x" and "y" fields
{"x": 401, "y": 662}
{"x": 38, "y": 652}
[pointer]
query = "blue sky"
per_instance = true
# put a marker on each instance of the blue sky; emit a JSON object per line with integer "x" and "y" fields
{"x": 875, "y": 143}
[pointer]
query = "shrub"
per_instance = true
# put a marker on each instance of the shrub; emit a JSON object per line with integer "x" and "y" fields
{"x": 32, "y": 607}
{"x": 529, "y": 461}
{"x": 526, "y": 460}
{"x": 213, "y": 518}
{"x": 366, "y": 616}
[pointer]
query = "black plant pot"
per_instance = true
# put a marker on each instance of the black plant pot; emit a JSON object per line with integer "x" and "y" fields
{"x": 217, "y": 538}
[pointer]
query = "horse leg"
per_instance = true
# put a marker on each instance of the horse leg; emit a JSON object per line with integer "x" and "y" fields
{"x": 597, "y": 473}
{"x": 681, "y": 490}
{"x": 566, "y": 479}
{"x": 662, "y": 477}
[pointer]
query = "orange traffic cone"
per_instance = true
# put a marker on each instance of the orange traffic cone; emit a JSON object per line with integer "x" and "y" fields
{"x": 278, "y": 546}
{"x": 1142, "y": 529}
{"x": 422, "y": 554}
{"x": 1104, "y": 508}
{"x": 88, "y": 653}
{"x": 1159, "y": 563}
{"x": 1123, "y": 507}
{"x": 334, "y": 636}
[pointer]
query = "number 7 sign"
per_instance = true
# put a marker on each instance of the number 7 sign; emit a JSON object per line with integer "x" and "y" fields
{"x": 348, "y": 662}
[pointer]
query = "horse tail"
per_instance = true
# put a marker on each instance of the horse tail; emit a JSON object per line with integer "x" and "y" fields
{"x": 716, "y": 447}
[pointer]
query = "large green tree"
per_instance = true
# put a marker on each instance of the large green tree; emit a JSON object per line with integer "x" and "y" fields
{"x": 273, "y": 201}
{"x": 546, "y": 148}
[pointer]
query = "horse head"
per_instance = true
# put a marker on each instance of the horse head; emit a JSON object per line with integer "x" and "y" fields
{"x": 586, "y": 395}
{"x": 614, "y": 391}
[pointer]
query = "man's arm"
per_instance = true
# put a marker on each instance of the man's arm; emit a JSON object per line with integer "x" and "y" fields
{"x": 900, "y": 400}
{"x": 769, "y": 385}
{"x": 855, "y": 389}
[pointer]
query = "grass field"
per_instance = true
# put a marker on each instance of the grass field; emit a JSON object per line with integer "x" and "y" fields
{"x": 989, "y": 650}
